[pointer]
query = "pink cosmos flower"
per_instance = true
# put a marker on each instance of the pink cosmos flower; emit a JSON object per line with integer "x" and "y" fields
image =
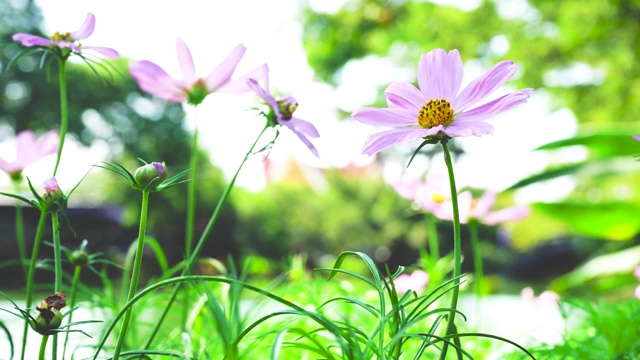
{"x": 417, "y": 282}
{"x": 428, "y": 194}
{"x": 51, "y": 184}
{"x": 438, "y": 105}
{"x": 636, "y": 137}
{"x": 546, "y": 300}
{"x": 481, "y": 210}
{"x": 281, "y": 112}
{"x": 192, "y": 89}
{"x": 68, "y": 40}
{"x": 29, "y": 149}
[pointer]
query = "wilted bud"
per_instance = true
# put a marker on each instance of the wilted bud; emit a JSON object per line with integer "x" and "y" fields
{"x": 149, "y": 176}
{"x": 286, "y": 107}
{"x": 50, "y": 317}
{"x": 53, "y": 196}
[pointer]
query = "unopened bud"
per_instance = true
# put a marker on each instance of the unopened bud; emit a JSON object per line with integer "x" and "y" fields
{"x": 149, "y": 176}
{"x": 53, "y": 196}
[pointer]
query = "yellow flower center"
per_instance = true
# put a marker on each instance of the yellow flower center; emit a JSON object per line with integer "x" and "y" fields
{"x": 437, "y": 198}
{"x": 58, "y": 37}
{"x": 435, "y": 112}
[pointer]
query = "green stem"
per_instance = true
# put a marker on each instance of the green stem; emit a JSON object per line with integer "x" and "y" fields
{"x": 22, "y": 246}
{"x": 64, "y": 113}
{"x": 136, "y": 272}
{"x": 31, "y": 275}
{"x": 191, "y": 211}
{"x": 214, "y": 217}
{"x": 43, "y": 346}
{"x": 72, "y": 303}
{"x": 457, "y": 252}
{"x": 477, "y": 257}
{"x": 57, "y": 262}
{"x": 432, "y": 238}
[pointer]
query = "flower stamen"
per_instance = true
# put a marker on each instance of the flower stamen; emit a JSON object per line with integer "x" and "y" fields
{"x": 435, "y": 112}
{"x": 60, "y": 37}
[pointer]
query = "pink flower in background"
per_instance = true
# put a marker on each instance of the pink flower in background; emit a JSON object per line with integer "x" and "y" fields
{"x": 636, "y": 137}
{"x": 428, "y": 194}
{"x": 281, "y": 112}
{"x": 481, "y": 210}
{"x": 546, "y": 300}
{"x": 439, "y": 105}
{"x": 68, "y": 40}
{"x": 29, "y": 149}
{"x": 192, "y": 89}
{"x": 417, "y": 282}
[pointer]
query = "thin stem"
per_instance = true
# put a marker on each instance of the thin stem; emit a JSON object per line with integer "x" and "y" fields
{"x": 64, "y": 113}
{"x": 457, "y": 252}
{"x": 31, "y": 275}
{"x": 72, "y": 303}
{"x": 22, "y": 246}
{"x": 43, "y": 346}
{"x": 477, "y": 257}
{"x": 191, "y": 211}
{"x": 214, "y": 217}
{"x": 57, "y": 261}
{"x": 432, "y": 238}
{"x": 136, "y": 272}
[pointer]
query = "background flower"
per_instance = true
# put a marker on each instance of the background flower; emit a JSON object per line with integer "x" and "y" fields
{"x": 281, "y": 112}
{"x": 68, "y": 40}
{"x": 428, "y": 194}
{"x": 30, "y": 149}
{"x": 481, "y": 210}
{"x": 192, "y": 89}
{"x": 417, "y": 282}
{"x": 438, "y": 105}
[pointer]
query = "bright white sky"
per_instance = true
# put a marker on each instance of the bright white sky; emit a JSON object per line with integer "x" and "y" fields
{"x": 146, "y": 29}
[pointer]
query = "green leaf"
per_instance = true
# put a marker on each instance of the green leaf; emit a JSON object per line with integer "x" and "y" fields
{"x": 606, "y": 144}
{"x": 611, "y": 221}
{"x": 590, "y": 169}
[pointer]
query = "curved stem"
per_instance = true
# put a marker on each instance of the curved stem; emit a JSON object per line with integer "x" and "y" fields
{"x": 31, "y": 275}
{"x": 457, "y": 251}
{"x": 64, "y": 113}
{"x": 196, "y": 251}
{"x": 135, "y": 274}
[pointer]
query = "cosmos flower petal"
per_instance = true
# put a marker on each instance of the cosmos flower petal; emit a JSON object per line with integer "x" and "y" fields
{"x": 262, "y": 93}
{"x": 513, "y": 213}
{"x": 636, "y": 137}
{"x": 407, "y": 186}
{"x": 483, "y": 86}
{"x": 240, "y": 85}
{"x": 29, "y": 40}
{"x": 302, "y": 126}
{"x": 51, "y": 184}
{"x": 308, "y": 143}
{"x": 154, "y": 80}
{"x": 464, "y": 128}
{"x": 187, "y": 67}
{"x": 384, "y": 139}
{"x": 386, "y": 117}
{"x": 222, "y": 73}
{"x": 86, "y": 29}
{"x": 496, "y": 106}
{"x": 108, "y": 52}
{"x": 404, "y": 95}
{"x": 484, "y": 205}
{"x": 440, "y": 74}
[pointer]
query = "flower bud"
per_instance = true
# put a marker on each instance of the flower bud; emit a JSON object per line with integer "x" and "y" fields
{"x": 50, "y": 317}
{"x": 79, "y": 257}
{"x": 149, "y": 176}
{"x": 53, "y": 196}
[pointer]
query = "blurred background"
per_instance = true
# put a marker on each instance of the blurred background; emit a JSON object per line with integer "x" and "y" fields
{"x": 567, "y": 153}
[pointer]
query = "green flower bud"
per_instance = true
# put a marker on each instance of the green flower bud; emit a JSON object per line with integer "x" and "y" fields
{"x": 53, "y": 196}
{"x": 80, "y": 257}
{"x": 149, "y": 176}
{"x": 50, "y": 317}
